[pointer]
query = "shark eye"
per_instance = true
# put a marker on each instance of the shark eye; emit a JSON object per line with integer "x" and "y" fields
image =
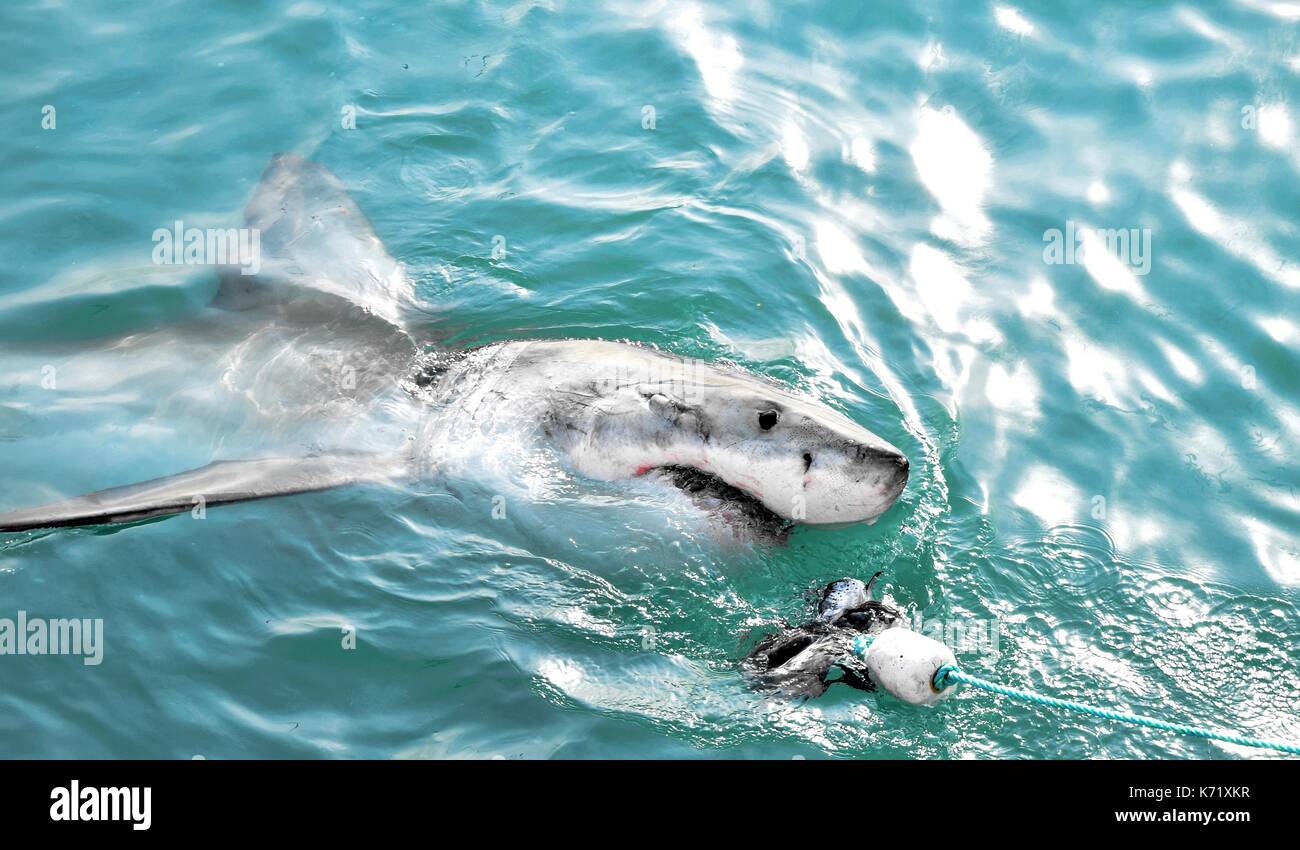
{"x": 767, "y": 419}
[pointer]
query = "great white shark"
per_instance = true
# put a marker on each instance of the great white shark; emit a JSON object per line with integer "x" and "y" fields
{"x": 614, "y": 410}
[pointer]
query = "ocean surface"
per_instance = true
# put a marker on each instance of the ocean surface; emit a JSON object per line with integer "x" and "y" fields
{"x": 1048, "y": 250}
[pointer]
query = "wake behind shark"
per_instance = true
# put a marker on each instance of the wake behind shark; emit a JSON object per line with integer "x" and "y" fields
{"x": 737, "y": 443}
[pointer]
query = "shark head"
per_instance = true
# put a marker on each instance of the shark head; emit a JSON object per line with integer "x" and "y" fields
{"x": 803, "y": 461}
{"x": 799, "y": 459}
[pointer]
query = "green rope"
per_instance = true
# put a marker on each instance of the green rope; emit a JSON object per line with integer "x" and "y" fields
{"x": 947, "y": 675}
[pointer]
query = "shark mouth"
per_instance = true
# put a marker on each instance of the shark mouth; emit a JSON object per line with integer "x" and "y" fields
{"x": 745, "y": 514}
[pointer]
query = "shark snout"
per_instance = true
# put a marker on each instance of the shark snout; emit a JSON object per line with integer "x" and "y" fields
{"x": 880, "y": 455}
{"x": 895, "y": 462}
{"x": 881, "y": 469}
{"x": 900, "y": 471}
{"x": 854, "y": 476}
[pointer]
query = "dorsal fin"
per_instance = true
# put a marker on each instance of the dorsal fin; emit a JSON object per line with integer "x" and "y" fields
{"x": 312, "y": 235}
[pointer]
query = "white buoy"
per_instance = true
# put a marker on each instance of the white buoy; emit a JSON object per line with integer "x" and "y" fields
{"x": 904, "y": 662}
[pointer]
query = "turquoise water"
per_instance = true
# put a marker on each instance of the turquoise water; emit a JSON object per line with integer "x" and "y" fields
{"x": 853, "y": 200}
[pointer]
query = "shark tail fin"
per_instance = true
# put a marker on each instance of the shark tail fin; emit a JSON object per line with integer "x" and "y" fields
{"x": 220, "y": 483}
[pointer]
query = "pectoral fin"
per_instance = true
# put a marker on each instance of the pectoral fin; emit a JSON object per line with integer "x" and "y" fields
{"x": 220, "y": 483}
